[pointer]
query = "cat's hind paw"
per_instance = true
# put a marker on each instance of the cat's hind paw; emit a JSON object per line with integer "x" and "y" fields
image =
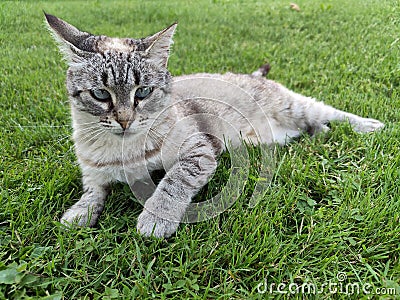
{"x": 367, "y": 125}
{"x": 151, "y": 225}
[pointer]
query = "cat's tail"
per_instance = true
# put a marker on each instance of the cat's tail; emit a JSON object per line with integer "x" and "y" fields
{"x": 262, "y": 71}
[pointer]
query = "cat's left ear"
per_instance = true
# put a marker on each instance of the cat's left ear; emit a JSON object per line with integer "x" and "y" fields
{"x": 160, "y": 45}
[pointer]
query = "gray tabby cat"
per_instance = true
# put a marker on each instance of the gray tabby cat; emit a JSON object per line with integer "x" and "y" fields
{"x": 131, "y": 117}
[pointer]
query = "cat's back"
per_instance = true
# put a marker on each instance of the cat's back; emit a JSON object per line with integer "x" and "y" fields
{"x": 242, "y": 92}
{"x": 229, "y": 103}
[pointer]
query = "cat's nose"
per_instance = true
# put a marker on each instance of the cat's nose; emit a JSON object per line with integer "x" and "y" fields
{"x": 124, "y": 123}
{"x": 124, "y": 116}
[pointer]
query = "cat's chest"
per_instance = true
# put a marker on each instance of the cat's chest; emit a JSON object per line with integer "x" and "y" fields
{"x": 119, "y": 158}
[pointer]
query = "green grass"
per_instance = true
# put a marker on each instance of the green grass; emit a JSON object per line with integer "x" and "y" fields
{"x": 333, "y": 204}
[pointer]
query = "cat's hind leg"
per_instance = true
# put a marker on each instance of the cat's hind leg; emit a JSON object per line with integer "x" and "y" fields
{"x": 314, "y": 116}
{"x": 362, "y": 125}
{"x": 358, "y": 124}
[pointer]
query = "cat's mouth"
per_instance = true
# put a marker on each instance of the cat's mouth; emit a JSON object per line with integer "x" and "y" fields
{"x": 128, "y": 132}
{"x": 122, "y": 133}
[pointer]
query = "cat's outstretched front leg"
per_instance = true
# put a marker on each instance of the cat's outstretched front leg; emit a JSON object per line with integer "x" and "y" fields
{"x": 164, "y": 210}
{"x": 87, "y": 210}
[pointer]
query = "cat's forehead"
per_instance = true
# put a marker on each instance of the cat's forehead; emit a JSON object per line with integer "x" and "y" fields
{"x": 110, "y": 44}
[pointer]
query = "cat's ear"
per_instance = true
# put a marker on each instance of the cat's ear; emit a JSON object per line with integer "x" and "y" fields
{"x": 74, "y": 44}
{"x": 160, "y": 45}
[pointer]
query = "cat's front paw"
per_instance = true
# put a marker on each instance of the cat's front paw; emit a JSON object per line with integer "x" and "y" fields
{"x": 151, "y": 225}
{"x": 80, "y": 216}
{"x": 367, "y": 125}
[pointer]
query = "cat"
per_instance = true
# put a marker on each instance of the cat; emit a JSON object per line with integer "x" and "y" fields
{"x": 130, "y": 117}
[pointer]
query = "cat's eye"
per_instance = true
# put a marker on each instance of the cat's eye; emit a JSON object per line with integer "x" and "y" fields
{"x": 101, "y": 95}
{"x": 143, "y": 92}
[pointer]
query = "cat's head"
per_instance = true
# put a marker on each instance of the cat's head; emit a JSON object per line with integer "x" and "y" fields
{"x": 122, "y": 82}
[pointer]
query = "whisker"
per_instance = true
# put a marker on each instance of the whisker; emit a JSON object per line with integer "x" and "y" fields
{"x": 93, "y": 122}
{"x": 88, "y": 133}
{"x": 87, "y": 129}
{"x": 93, "y": 135}
{"x": 160, "y": 138}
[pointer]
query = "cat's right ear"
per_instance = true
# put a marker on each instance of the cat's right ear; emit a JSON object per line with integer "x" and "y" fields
{"x": 74, "y": 44}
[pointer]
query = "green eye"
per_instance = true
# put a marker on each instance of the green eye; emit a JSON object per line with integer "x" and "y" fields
{"x": 100, "y": 95}
{"x": 143, "y": 92}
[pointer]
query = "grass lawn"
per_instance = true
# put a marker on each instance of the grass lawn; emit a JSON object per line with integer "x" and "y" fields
{"x": 330, "y": 216}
